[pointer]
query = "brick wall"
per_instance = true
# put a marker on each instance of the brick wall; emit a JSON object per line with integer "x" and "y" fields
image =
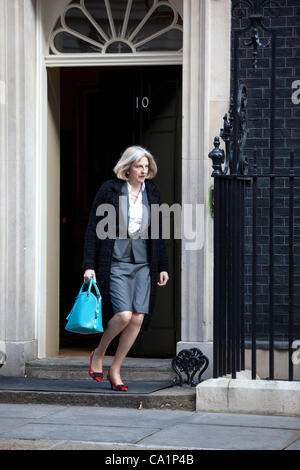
{"x": 286, "y": 21}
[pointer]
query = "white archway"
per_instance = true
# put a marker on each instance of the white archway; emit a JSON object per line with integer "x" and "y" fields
{"x": 96, "y": 41}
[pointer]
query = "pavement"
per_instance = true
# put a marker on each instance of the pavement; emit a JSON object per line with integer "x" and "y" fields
{"x": 65, "y": 427}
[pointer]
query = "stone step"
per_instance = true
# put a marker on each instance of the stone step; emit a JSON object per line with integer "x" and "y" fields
{"x": 140, "y": 395}
{"x": 76, "y": 368}
{"x": 175, "y": 398}
{"x": 133, "y": 370}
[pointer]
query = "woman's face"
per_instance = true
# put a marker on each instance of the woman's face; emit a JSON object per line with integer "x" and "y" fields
{"x": 138, "y": 171}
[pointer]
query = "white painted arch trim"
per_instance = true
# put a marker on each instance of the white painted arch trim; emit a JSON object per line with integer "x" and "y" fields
{"x": 85, "y": 60}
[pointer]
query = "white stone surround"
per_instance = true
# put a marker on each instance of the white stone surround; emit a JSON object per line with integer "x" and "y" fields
{"x": 206, "y": 83}
{"x": 18, "y": 195}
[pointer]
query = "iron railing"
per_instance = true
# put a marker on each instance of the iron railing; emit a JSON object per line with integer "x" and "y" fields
{"x": 256, "y": 214}
{"x": 247, "y": 286}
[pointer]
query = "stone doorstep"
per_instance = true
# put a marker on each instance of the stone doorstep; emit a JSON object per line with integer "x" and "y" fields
{"x": 176, "y": 398}
{"x": 133, "y": 369}
{"x": 268, "y": 397}
{"x": 149, "y": 370}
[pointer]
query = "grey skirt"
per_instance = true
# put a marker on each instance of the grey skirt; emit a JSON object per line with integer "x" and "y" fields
{"x": 130, "y": 287}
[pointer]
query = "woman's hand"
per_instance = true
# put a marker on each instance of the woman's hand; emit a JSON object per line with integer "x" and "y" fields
{"x": 163, "y": 278}
{"x": 88, "y": 274}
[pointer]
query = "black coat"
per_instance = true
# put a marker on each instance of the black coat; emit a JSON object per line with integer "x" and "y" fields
{"x": 98, "y": 253}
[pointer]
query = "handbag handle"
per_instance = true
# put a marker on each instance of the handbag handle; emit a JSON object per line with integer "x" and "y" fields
{"x": 91, "y": 283}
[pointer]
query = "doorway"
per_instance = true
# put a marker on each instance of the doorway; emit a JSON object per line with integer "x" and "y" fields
{"x": 103, "y": 111}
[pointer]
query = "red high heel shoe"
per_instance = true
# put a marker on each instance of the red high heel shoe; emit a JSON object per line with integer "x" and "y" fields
{"x": 98, "y": 376}
{"x": 117, "y": 388}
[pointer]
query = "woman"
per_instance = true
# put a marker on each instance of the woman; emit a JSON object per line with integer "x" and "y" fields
{"x": 126, "y": 269}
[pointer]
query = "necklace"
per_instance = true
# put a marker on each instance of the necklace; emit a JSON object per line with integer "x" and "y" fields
{"x": 135, "y": 195}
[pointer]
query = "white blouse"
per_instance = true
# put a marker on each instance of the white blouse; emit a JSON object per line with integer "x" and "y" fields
{"x": 135, "y": 211}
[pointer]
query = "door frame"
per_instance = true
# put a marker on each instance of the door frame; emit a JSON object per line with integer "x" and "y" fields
{"x": 205, "y": 88}
{"x": 48, "y": 326}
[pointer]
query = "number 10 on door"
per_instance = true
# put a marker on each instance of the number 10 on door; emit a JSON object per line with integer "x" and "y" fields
{"x": 144, "y": 102}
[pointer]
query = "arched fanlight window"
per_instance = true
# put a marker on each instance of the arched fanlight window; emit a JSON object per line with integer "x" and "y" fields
{"x": 117, "y": 26}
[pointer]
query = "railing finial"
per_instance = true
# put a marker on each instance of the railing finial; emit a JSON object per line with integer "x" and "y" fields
{"x": 218, "y": 156}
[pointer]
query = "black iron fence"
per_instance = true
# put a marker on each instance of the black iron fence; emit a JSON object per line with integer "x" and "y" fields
{"x": 229, "y": 331}
{"x": 251, "y": 212}
{"x": 257, "y": 199}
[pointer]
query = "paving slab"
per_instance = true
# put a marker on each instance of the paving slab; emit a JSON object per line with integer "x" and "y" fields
{"x": 220, "y": 437}
{"x": 86, "y": 427}
{"x": 113, "y": 433}
{"x": 75, "y": 445}
{"x": 26, "y": 444}
{"x": 295, "y": 445}
{"x": 234, "y": 419}
{"x": 28, "y": 410}
{"x": 106, "y": 417}
{"x": 8, "y": 424}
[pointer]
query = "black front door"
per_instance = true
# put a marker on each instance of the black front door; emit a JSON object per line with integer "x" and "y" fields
{"x": 103, "y": 111}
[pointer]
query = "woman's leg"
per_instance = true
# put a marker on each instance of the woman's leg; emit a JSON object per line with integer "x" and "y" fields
{"x": 127, "y": 338}
{"x": 115, "y": 325}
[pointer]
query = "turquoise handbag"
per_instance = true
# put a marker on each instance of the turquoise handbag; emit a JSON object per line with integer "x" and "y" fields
{"x": 86, "y": 314}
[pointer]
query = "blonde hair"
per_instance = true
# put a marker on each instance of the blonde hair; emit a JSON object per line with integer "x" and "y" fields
{"x": 132, "y": 155}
